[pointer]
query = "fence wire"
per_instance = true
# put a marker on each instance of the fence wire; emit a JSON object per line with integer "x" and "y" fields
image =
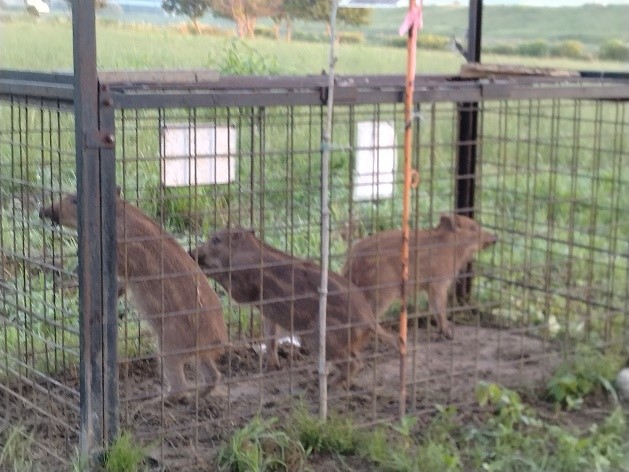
{"x": 39, "y": 331}
{"x": 238, "y": 184}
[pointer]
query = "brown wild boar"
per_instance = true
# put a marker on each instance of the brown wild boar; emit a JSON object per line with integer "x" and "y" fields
{"x": 169, "y": 291}
{"x": 436, "y": 256}
{"x": 286, "y": 289}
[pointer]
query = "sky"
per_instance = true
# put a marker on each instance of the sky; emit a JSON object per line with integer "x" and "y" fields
{"x": 540, "y": 3}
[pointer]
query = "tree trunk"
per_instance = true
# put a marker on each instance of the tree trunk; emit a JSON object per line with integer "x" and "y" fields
{"x": 240, "y": 18}
{"x": 276, "y": 30}
{"x": 251, "y": 26}
{"x": 241, "y": 27}
{"x": 197, "y": 27}
{"x": 289, "y": 30}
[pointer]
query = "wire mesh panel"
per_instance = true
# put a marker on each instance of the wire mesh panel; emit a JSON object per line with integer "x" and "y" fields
{"x": 549, "y": 185}
{"x": 553, "y": 185}
{"x": 39, "y": 330}
{"x": 218, "y": 227}
{"x": 256, "y": 233}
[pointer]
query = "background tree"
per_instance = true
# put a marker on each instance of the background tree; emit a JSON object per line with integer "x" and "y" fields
{"x": 291, "y": 9}
{"x": 319, "y": 10}
{"x": 193, "y": 9}
{"x": 353, "y": 16}
{"x": 246, "y": 12}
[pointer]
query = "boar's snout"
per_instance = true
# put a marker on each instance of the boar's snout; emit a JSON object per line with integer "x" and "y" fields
{"x": 196, "y": 255}
{"x": 47, "y": 212}
{"x": 201, "y": 258}
{"x": 489, "y": 239}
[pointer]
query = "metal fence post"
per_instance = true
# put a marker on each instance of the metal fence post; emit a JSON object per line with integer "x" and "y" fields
{"x": 467, "y": 137}
{"x": 98, "y": 387}
{"x": 109, "y": 262}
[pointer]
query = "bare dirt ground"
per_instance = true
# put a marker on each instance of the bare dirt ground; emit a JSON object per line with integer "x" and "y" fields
{"x": 184, "y": 436}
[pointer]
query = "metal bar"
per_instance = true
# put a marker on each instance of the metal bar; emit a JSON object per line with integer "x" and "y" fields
{"x": 93, "y": 407}
{"x": 36, "y": 89}
{"x": 467, "y": 92}
{"x": 465, "y": 179}
{"x": 474, "y": 29}
{"x": 468, "y": 130}
{"x": 500, "y": 91}
{"x": 48, "y": 77}
{"x": 109, "y": 264}
{"x": 326, "y": 143}
{"x": 289, "y": 97}
{"x": 598, "y": 74}
{"x": 296, "y": 83}
{"x": 179, "y": 85}
{"x": 466, "y": 162}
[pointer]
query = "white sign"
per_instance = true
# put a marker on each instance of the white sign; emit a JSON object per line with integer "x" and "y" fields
{"x": 197, "y": 154}
{"x": 376, "y": 160}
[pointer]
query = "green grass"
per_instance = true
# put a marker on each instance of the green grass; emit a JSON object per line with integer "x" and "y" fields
{"x": 500, "y": 23}
{"x": 587, "y": 373}
{"x": 505, "y": 23}
{"x": 506, "y": 434}
{"x": 47, "y": 45}
{"x": 15, "y": 449}
{"x": 124, "y": 455}
{"x": 261, "y": 446}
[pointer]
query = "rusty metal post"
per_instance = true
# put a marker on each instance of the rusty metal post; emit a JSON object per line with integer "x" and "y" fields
{"x": 96, "y": 240}
{"x": 414, "y": 18}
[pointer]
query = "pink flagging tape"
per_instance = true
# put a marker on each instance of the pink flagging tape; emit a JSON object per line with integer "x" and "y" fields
{"x": 413, "y": 16}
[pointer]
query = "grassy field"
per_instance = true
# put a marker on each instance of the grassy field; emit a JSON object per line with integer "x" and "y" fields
{"x": 591, "y": 24}
{"x": 47, "y": 45}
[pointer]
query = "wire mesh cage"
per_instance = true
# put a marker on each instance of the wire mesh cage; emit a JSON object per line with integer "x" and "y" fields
{"x": 39, "y": 322}
{"x": 518, "y": 249}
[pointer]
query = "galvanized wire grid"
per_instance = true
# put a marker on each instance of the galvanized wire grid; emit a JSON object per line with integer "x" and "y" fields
{"x": 275, "y": 191}
{"x": 548, "y": 182}
{"x": 39, "y": 330}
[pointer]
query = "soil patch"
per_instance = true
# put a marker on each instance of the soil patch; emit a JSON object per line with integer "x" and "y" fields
{"x": 186, "y": 434}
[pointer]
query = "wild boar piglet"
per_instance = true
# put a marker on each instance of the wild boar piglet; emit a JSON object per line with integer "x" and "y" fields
{"x": 286, "y": 290}
{"x": 436, "y": 256}
{"x": 169, "y": 291}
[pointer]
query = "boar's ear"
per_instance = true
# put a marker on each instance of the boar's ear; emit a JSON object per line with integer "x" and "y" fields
{"x": 447, "y": 222}
{"x": 239, "y": 232}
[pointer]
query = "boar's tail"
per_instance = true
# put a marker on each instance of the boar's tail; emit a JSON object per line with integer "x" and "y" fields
{"x": 389, "y": 338}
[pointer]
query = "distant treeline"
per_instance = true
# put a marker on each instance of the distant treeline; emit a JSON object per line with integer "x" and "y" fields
{"x": 613, "y": 49}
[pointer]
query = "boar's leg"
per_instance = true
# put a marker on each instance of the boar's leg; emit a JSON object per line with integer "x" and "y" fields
{"x": 437, "y": 301}
{"x": 174, "y": 377}
{"x": 382, "y": 297}
{"x": 345, "y": 371}
{"x": 211, "y": 374}
{"x": 271, "y": 332}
